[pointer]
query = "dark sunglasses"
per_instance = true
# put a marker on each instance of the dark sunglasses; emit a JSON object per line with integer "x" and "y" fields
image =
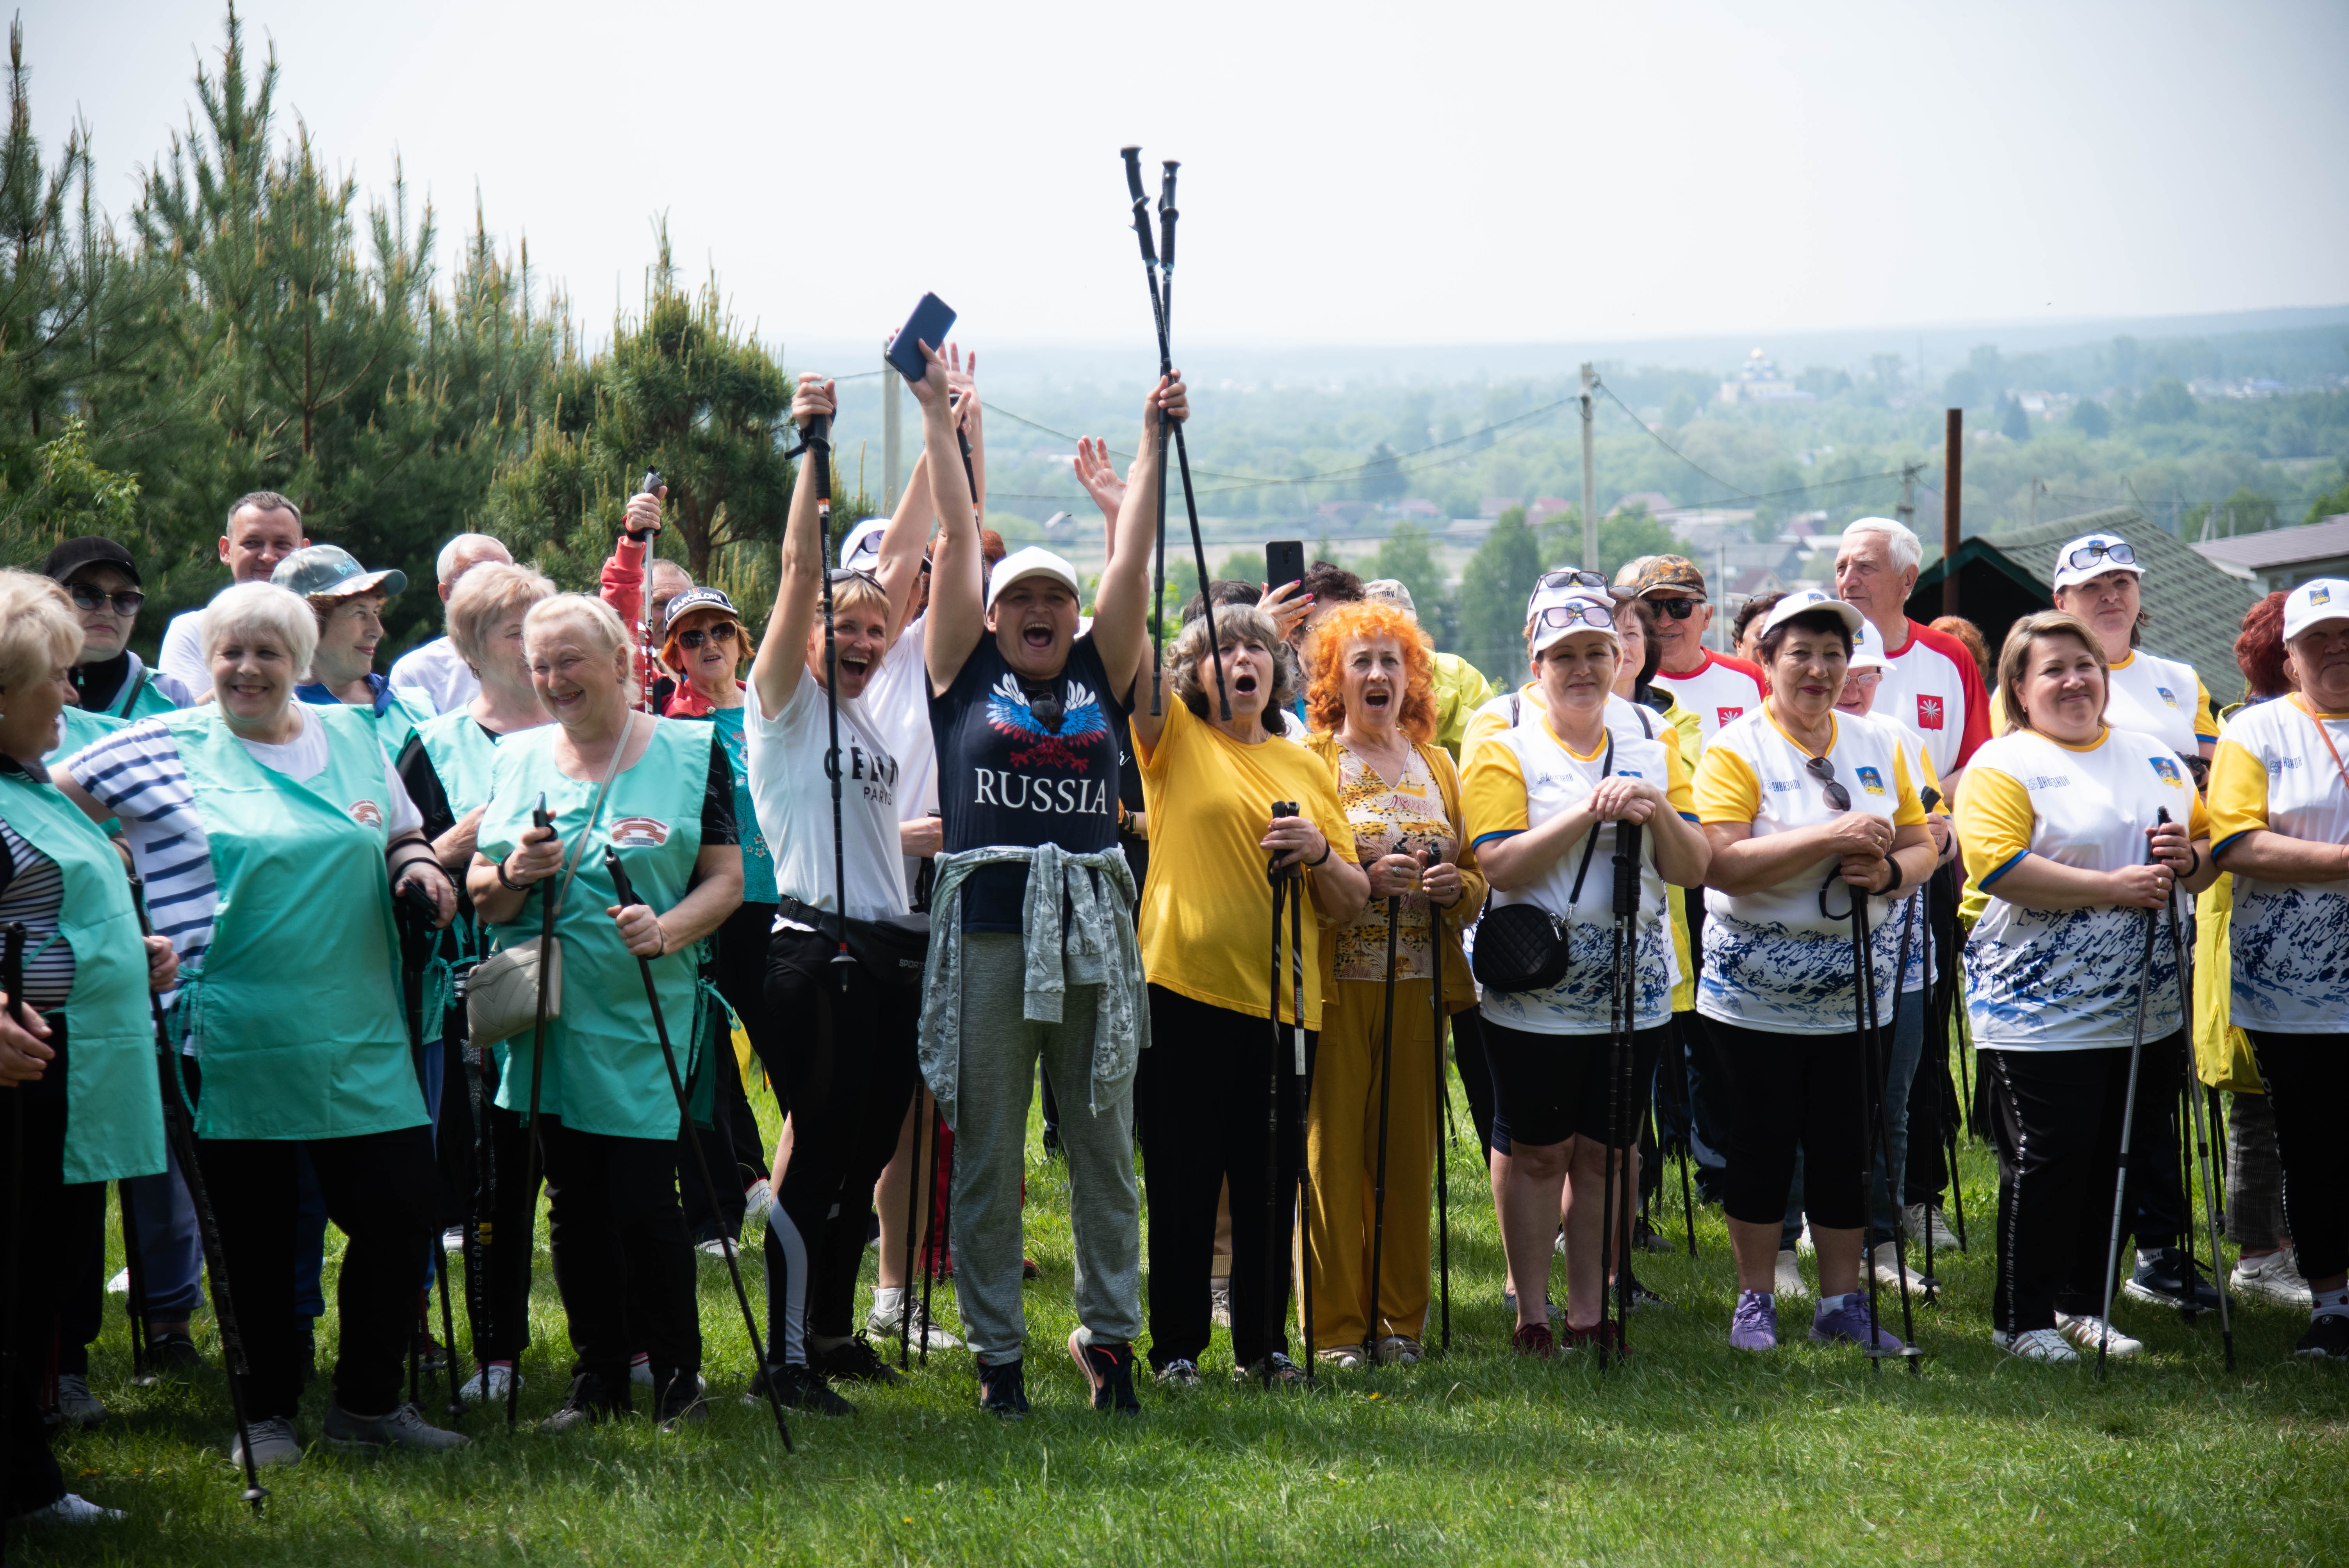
{"x": 1569, "y": 577}
{"x": 2089, "y": 554}
{"x": 724, "y": 632}
{"x": 87, "y": 596}
{"x": 840, "y": 574}
{"x": 1678, "y": 609}
{"x": 1820, "y": 768}
{"x": 1045, "y": 703}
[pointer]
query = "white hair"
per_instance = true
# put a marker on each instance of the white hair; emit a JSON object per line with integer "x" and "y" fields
{"x": 467, "y": 550}
{"x": 248, "y": 608}
{"x": 1901, "y": 540}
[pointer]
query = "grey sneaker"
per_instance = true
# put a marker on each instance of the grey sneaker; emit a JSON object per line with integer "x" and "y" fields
{"x": 490, "y": 1385}
{"x": 71, "y": 1509}
{"x": 274, "y": 1443}
{"x": 404, "y": 1427}
{"x": 1401, "y": 1350}
{"x": 2275, "y": 1277}
{"x": 1180, "y": 1373}
{"x": 76, "y": 1404}
{"x": 890, "y": 1324}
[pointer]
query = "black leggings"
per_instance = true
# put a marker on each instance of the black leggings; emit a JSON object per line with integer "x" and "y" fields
{"x": 1204, "y": 1079}
{"x": 1548, "y": 1088}
{"x": 1781, "y": 1093}
{"x": 2307, "y": 1079}
{"x": 34, "y": 1480}
{"x": 845, "y": 1065}
{"x": 620, "y": 1258}
{"x": 1476, "y": 1071}
{"x": 2055, "y": 1122}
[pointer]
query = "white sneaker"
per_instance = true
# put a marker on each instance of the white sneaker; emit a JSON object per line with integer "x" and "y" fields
{"x": 1915, "y": 1217}
{"x": 119, "y": 1285}
{"x": 490, "y": 1385}
{"x": 71, "y": 1509}
{"x": 716, "y": 1248}
{"x": 2037, "y": 1345}
{"x": 1884, "y": 1258}
{"x": 2088, "y": 1328}
{"x": 757, "y": 1199}
{"x": 887, "y": 1320}
{"x": 2275, "y": 1277}
{"x": 1344, "y": 1358}
{"x": 1789, "y": 1281}
{"x": 452, "y": 1240}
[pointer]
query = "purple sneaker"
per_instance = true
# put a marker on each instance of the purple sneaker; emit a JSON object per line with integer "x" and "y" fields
{"x": 1847, "y": 1321}
{"x": 1755, "y": 1325}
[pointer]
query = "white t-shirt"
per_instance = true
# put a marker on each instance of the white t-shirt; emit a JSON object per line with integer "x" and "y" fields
{"x": 1773, "y": 960}
{"x": 437, "y": 673}
{"x": 793, "y": 796}
{"x": 1720, "y": 691}
{"x": 1524, "y": 777}
{"x": 897, "y": 699}
{"x": 181, "y": 656}
{"x": 1626, "y": 720}
{"x": 2053, "y": 980}
{"x": 1934, "y": 688}
{"x": 2290, "y": 940}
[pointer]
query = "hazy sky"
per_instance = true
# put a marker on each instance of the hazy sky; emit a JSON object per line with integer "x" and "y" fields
{"x": 1371, "y": 172}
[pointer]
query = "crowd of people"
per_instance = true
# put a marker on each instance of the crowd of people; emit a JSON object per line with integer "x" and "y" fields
{"x": 1249, "y": 897}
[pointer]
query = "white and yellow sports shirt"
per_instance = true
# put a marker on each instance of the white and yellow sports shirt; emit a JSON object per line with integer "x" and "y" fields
{"x": 1774, "y": 960}
{"x": 2160, "y": 697}
{"x": 2065, "y": 979}
{"x": 2290, "y": 940}
{"x": 1626, "y": 720}
{"x": 1526, "y": 776}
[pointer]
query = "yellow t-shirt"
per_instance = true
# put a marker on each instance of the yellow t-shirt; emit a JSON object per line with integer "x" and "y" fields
{"x": 1206, "y": 910}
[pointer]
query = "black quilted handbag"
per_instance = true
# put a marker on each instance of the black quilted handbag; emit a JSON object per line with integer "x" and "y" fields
{"x": 1522, "y": 946}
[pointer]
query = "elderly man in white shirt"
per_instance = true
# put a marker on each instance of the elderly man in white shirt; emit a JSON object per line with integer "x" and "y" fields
{"x": 436, "y": 673}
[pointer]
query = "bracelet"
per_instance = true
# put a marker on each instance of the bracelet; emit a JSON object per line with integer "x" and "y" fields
{"x": 412, "y": 861}
{"x": 2196, "y": 868}
{"x": 508, "y": 883}
{"x": 1326, "y": 847}
{"x": 1888, "y": 889}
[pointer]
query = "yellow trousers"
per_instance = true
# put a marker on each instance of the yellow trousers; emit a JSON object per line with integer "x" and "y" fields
{"x": 1341, "y": 1152}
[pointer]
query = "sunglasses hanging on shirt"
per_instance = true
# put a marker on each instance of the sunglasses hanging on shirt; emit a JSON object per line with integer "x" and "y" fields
{"x": 1045, "y": 703}
{"x": 1821, "y": 768}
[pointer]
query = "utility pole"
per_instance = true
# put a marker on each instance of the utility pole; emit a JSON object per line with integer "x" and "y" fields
{"x": 2034, "y": 500}
{"x": 1953, "y": 466}
{"x": 890, "y": 472}
{"x": 1905, "y": 512}
{"x": 1589, "y": 479}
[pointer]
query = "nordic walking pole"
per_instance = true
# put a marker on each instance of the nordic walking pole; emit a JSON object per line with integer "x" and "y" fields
{"x": 627, "y": 895}
{"x": 418, "y": 919}
{"x": 1622, "y": 989}
{"x": 536, "y": 1156}
{"x": 183, "y": 1142}
{"x": 915, "y": 1199}
{"x": 934, "y": 1246}
{"x": 2201, "y": 1128}
{"x": 1379, "y": 1169}
{"x": 2128, "y": 1125}
{"x": 1444, "y": 1128}
{"x": 1150, "y": 271}
{"x": 1166, "y": 219}
{"x": 1272, "y": 1117}
{"x": 12, "y": 981}
{"x": 135, "y": 1307}
{"x": 1304, "y": 1073}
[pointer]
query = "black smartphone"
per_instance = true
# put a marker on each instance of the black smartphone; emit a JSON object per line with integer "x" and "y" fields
{"x": 932, "y": 319}
{"x": 1284, "y": 562}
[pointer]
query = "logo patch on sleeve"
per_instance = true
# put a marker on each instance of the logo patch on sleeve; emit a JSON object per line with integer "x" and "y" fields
{"x": 1721, "y": 715}
{"x": 1928, "y": 712}
{"x": 638, "y": 833}
{"x": 1871, "y": 780}
{"x": 2166, "y": 770}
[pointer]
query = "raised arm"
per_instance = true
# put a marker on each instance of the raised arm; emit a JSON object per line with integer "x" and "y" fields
{"x": 958, "y": 616}
{"x": 783, "y": 651}
{"x": 901, "y": 547}
{"x": 1121, "y": 608}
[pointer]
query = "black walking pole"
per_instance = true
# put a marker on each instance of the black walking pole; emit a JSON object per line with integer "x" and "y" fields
{"x": 1875, "y": 1134}
{"x": 535, "y": 1159}
{"x": 933, "y": 1250}
{"x": 135, "y": 1307}
{"x": 1622, "y": 989}
{"x": 1379, "y": 1169}
{"x": 2201, "y": 1129}
{"x": 1304, "y": 1075}
{"x": 915, "y": 1198}
{"x": 627, "y": 895}
{"x": 1280, "y": 877}
{"x": 1444, "y": 1128}
{"x": 419, "y": 916}
{"x": 183, "y": 1142}
{"x": 1688, "y": 1133}
{"x": 1158, "y": 312}
{"x": 1166, "y": 219}
{"x": 480, "y": 1229}
{"x": 12, "y": 981}
{"x": 2128, "y": 1125}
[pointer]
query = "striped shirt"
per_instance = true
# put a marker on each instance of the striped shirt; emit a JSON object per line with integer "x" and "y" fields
{"x": 135, "y": 772}
{"x": 32, "y": 890}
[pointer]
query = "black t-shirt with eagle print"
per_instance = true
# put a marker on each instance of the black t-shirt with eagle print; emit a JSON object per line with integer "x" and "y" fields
{"x": 1008, "y": 774}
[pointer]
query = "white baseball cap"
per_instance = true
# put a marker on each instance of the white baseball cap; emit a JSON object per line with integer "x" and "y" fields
{"x": 1810, "y": 599}
{"x": 864, "y": 540}
{"x": 1035, "y": 561}
{"x": 1566, "y": 614}
{"x": 2315, "y": 602}
{"x": 2093, "y": 555}
{"x": 1868, "y": 648}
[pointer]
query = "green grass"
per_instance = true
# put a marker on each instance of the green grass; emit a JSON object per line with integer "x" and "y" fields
{"x": 1690, "y": 1452}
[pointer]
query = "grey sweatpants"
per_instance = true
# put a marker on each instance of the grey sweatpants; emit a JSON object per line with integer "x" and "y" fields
{"x": 996, "y": 1082}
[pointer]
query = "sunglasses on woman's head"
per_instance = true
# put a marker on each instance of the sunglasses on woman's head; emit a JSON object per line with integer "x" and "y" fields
{"x": 1592, "y": 615}
{"x": 87, "y": 596}
{"x": 1569, "y": 577}
{"x": 1820, "y": 768}
{"x": 2088, "y": 555}
{"x": 1678, "y": 609}
{"x": 724, "y": 632}
{"x": 840, "y": 574}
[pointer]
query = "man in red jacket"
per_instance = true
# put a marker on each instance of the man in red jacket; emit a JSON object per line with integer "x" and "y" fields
{"x": 621, "y": 586}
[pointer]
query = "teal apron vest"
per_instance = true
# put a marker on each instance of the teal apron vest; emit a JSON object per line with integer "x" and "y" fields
{"x": 463, "y": 755}
{"x": 114, "y": 1112}
{"x": 296, "y": 1016}
{"x": 604, "y": 1072}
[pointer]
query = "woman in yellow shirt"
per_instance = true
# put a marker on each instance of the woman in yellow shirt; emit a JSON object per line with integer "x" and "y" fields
{"x": 1209, "y": 785}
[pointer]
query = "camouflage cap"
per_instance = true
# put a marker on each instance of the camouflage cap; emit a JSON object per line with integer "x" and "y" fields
{"x": 1672, "y": 573}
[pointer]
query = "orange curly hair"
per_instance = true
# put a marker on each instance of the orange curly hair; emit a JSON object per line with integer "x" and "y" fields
{"x": 1325, "y": 698}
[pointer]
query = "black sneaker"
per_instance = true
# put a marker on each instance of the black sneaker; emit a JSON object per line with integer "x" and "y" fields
{"x": 173, "y": 1353}
{"x": 854, "y": 1361}
{"x": 2327, "y": 1338}
{"x": 1110, "y": 1371}
{"x": 2167, "y": 1277}
{"x": 1003, "y": 1390}
{"x": 592, "y": 1400}
{"x": 799, "y": 1389}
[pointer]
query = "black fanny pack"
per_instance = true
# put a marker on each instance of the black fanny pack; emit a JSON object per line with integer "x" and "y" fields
{"x": 893, "y": 949}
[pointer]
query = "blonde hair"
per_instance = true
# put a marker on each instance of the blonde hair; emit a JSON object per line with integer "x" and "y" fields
{"x": 599, "y": 622}
{"x": 1191, "y": 671}
{"x": 2026, "y": 635}
{"x": 250, "y": 607}
{"x": 37, "y": 629}
{"x": 1346, "y": 624}
{"x": 847, "y": 595}
{"x": 486, "y": 595}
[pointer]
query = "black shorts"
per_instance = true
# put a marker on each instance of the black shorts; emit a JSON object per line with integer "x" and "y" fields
{"x": 1548, "y": 1088}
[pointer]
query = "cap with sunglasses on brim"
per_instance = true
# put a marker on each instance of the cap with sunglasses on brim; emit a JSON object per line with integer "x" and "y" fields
{"x": 90, "y": 550}
{"x": 706, "y": 600}
{"x": 1570, "y": 613}
{"x": 2091, "y": 556}
{"x": 1808, "y": 600}
{"x": 1674, "y": 574}
{"x": 1035, "y": 561}
{"x": 2314, "y": 603}
{"x": 1558, "y": 585}
{"x": 330, "y": 571}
